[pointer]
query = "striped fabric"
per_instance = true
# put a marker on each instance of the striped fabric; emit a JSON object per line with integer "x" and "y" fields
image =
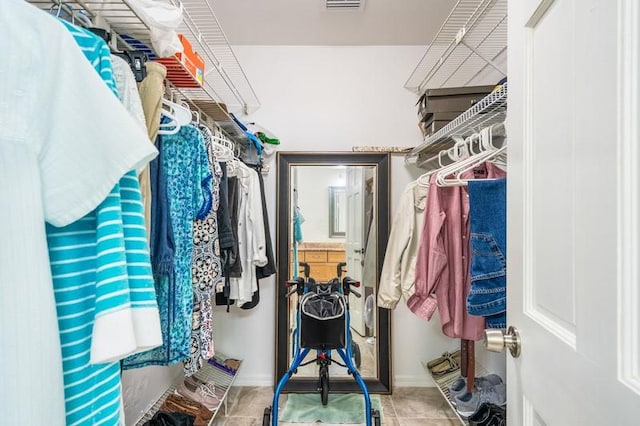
{"x": 96, "y": 51}
{"x": 103, "y": 285}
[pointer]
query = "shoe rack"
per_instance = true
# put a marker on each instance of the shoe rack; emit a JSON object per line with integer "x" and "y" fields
{"x": 468, "y": 368}
{"x": 213, "y": 372}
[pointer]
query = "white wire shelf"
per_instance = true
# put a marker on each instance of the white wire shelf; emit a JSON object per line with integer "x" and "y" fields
{"x": 223, "y": 73}
{"x": 213, "y": 373}
{"x": 489, "y": 110}
{"x": 224, "y": 80}
{"x": 443, "y": 382}
{"x": 470, "y": 48}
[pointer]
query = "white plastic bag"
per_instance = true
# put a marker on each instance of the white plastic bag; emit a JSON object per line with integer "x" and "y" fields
{"x": 163, "y": 19}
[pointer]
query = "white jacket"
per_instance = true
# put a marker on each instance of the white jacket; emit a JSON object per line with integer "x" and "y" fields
{"x": 398, "y": 271}
{"x": 251, "y": 235}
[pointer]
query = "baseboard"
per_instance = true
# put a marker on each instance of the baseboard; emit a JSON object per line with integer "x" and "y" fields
{"x": 408, "y": 380}
{"x": 413, "y": 380}
{"x": 254, "y": 380}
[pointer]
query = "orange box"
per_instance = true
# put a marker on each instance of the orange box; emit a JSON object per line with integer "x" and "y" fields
{"x": 186, "y": 46}
{"x": 192, "y": 61}
{"x": 184, "y": 69}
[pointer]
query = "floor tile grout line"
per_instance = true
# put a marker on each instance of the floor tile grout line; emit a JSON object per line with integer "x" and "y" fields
{"x": 393, "y": 406}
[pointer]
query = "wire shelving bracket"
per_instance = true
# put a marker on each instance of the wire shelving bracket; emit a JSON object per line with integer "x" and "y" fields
{"x": 470, "y": 48}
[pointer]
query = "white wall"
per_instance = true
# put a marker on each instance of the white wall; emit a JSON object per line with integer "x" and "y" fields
{"x": 313, "y": 199}
{"x": 330, "y": 99}
{"x": 321, "y": 99}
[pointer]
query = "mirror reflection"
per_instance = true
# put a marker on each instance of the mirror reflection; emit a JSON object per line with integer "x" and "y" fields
{"x": 333, "y": 229}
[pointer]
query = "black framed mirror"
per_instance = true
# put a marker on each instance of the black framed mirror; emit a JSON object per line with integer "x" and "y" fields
{"x": 304, "y": 236}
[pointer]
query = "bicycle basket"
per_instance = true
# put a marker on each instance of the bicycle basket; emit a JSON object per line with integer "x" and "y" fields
{"x": 322, "y": 321}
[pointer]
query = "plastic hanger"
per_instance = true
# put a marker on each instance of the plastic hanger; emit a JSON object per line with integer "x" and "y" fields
{"x": 444, "y": 175}
{"x": 490, "y": 152}
{"x": 169, "y": 128}
{"x": 178, "y": 114}
{"x": 459, "y": 162}
{"x": 181, "y": 113}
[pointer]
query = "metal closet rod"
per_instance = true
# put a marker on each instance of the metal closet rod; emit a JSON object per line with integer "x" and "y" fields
{"x": 63, "y": 5}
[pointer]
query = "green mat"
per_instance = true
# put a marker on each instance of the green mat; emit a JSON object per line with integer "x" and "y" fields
{"x": 342, "y": 408}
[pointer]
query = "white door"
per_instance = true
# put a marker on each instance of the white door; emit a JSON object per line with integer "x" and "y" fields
{"x": 573, "y": 217}
{"x": 354, "y": 241}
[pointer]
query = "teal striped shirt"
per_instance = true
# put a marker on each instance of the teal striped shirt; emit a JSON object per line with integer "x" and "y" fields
{"x": 101, "y": 276}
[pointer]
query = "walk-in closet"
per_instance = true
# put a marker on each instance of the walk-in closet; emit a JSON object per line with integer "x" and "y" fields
{"x": 319, "y": 212}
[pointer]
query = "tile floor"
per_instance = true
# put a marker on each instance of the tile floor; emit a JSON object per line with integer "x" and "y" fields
{"x": 406, "y": 407}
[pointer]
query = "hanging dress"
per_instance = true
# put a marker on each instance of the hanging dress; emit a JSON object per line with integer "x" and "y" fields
{"x": 186, "y": 169}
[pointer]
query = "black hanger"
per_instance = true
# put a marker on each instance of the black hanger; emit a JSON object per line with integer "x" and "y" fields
{"x": 137, "y": 60}
{"x": 102, "y": 33}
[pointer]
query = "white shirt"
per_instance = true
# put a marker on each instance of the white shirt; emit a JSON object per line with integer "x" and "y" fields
{"x": 128, "y": 89}
{"x": 251, "y": 236}
{"x": 65, "y": 141}
{"x": 399, "y": 268}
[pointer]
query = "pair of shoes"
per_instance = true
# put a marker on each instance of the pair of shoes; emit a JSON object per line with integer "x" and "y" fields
{"x": 219, "y": 393}
{"x": 204, "y": 393}
{"x": 234, "y": 364}
{"x": 489, "y": 415}
{"x": 447, "y": 363}
{"x": 438, "y": 360}
{"x": 468, "y": 404}
{"x": 179, "y": 404}
{"x": 459, "y": 387}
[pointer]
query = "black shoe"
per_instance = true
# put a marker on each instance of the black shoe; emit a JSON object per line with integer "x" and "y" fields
{"x": 481, "y": 416}
{"x": 489, "y": 415}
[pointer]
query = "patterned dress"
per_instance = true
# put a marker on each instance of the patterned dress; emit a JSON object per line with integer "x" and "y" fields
{"x": 188, "y": 176}
{"x": 206, "y": 272}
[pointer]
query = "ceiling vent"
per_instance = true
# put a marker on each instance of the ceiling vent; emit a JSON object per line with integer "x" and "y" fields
{"x": 344, "y": 4}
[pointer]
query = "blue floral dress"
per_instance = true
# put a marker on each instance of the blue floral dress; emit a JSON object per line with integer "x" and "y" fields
{"x": 188, "y": 177}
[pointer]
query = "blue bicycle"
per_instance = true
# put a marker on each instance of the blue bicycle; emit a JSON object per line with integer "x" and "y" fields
{"x": 323, "y": 325}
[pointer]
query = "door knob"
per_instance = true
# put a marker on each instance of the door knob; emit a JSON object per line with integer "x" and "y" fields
{"x": 496, "y": 340}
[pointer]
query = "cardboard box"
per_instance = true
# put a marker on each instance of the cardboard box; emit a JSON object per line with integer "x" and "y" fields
{"x": 191, "y": 60}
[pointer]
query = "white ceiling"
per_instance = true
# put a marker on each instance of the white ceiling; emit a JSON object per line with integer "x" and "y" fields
{"x": 308, "y": 22}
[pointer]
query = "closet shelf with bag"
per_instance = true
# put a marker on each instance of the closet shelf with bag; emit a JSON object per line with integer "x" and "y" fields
{"x": 157, "y": 29}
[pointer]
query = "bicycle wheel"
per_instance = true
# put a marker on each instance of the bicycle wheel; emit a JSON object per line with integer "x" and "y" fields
{"x": 266, "y": 417}
{"x": 376, "y": 417}
{"x": 357, "y": 356}
{"x": 324, "y": 385}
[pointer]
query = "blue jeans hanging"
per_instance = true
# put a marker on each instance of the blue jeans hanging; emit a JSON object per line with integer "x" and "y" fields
{"x": 488, "y": 215}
